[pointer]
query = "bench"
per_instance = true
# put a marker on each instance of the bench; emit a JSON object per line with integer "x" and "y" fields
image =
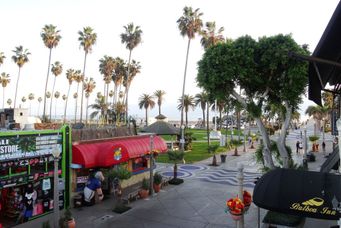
{"x": 271, "y": 219}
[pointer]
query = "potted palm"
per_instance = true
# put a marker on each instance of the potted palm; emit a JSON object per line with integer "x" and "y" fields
{"x": 144, "y": 192}
{"x": 157, "y": 182}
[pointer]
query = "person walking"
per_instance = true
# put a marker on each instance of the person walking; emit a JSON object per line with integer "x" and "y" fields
{"x": 297, "y": 147}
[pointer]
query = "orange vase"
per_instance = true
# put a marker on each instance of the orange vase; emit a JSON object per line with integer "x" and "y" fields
{"x": 156, "y": 187}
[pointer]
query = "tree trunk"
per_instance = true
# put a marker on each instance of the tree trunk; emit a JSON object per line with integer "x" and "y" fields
{"x": 183, "y": 85}
{"x": 220, "y": 120}
{"x": 146, "y": 116}
{"x": 281, "y": 138}
{"x": 86, "y": 111}
{"x": 208, "y": 126}
{"x": 76, "y": 103}
{"x": 186, "y": 124}
{"x": 127, "y": 88}
{"x": 268, "y": 162}
{"x": 46, "y": 83}
{"x": 159, "y": 109}
{"x": 175, "y": 171}
{"x": 203, "y": 117}
{"x": 54, "y": 83}
{"x": 81, "y": 114}
{"x": 214, "y": 161}
{"x": 16, "y": 88}
{"x": 67, "y": 98}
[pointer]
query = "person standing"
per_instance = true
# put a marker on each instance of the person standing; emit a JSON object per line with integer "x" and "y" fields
{"x": 297, "y": 147}
{"x": 92, "y": 187}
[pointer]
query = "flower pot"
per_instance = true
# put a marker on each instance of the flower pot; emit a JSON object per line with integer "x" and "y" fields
{"x": 143, "y": 193}
{"x": 71, "y": 223}
{"x": 236, "y": 217}
{"x": 156, "y": 187}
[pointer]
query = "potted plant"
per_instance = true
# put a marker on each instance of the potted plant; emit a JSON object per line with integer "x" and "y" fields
{"x": 157, "y": 182}
{"x": 144, "y": 192}
{"x": 67, "y": 221}
{"x": 247, "y": 200}
{"x": 175, "y": 157}
{"x": 235, "y": 207}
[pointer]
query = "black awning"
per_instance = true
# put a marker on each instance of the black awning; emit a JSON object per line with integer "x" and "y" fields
{"x": 332, "y": 161}
{"x": 328, "y": 48}
{"x": 301, "y": 193}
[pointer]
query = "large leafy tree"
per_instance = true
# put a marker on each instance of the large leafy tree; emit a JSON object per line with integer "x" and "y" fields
{"x": 4, "y": 81}
{"x": 57, "y": 69}
{"x": 20, "y": 57}
{"x": 265, "y": 73}
{"x": 146, "y": 101}
{"x": 87, "y": 39}
{"x": 131, "y": 38}
{"x": 186, "y": 104}
{"x": 51, "y": 37}
{"x": 159, "y": 96}
{"x": 189, "y": 25}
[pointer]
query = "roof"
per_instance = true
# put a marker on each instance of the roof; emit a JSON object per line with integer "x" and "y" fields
{"x": 328, "y": 48}
{"x": 160, "y": 117}
{"x": 161, "y": 128}
{"x": 113, "y": 151}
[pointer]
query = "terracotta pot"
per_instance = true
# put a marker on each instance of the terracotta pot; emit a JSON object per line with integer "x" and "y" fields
{"x": 144, "y": 193}
{"x": 156, "y": 187}
{"x": 71, "y": 223}
{"x": 236, "y": 217}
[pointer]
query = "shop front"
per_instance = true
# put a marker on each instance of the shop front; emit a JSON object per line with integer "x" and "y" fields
{"x": 27, "y": 171}
{"x": 131, "y": 152}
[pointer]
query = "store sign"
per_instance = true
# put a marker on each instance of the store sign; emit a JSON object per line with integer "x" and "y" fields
{"x": 117, "y": 154}
{"x": 26, "y": 146}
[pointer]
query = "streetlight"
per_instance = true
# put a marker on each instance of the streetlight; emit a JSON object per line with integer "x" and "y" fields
{"x": 305, "y": 162}
{"x": 151, "y": 179}
{"x": 182, "y": 140}
{"x": 55, "y": 153}
{"x": 244, "y": 150}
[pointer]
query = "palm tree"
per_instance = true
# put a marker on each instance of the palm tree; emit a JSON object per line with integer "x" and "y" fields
{"x": 4, "y": 81}
{"x": 87, "y": 39}
{"x": 188, "y": 103}
{"x": 56, "y": 70}
{"x": 135, "y": 68}
{"x": 101, "y": 108}
{"x": 23, "y": 99}
{"x": 48, "y": 96}
{"x": 318, "y": 113}
{"x": 50, "y": 36}
{"x": 39, "y": 100}
{"x": 146, "y": 101}
{"x": 209, "y": 35}
{"x": 75, "y": 96}
{"x": 159, "y": 95}
{"x": 20, "y": 58}
{"x": 2, "y": 58}
{"x": 106, "y": 67}
{"x": 189, "y": 24}
{"x": 9, "y": 102}
{"x": 78, "y": 77}
{"x": 88, "y": 88}
{"x": 31, "y": 98}
{"x": 120, "y": 70}
{"x": 56, "y": 95}
{"x": 132, "y": 38}
{"x": 70, "y": 73}
{"x": 200, "y": 99}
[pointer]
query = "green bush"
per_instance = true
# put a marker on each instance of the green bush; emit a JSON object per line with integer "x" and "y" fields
{"x": 145, "y": 184}
{"x": 157, "y": 178}
{"x": 313, "y": 138}
{"x": 176, "y": 181}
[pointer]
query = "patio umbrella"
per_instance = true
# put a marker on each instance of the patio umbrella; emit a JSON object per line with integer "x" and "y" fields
{"x": 161, "y": 128}
{"x": 300, "y": 193}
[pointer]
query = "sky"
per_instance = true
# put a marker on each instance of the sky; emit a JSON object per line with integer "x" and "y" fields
{"x": 162, "y": 51}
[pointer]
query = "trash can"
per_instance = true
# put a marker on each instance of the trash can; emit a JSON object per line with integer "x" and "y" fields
{"x": 223, "y": 158}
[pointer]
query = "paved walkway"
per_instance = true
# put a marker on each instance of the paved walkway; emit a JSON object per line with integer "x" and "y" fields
{"x": 198, "y": 202}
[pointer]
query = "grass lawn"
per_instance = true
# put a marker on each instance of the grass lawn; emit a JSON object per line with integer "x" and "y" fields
{"x": 198, "y": 153}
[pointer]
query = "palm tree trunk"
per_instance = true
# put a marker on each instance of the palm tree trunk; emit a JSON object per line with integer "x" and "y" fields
{"x": 203, "y": 117}
{"x": 281, "y": 139}
{"x": 3, "y": 97}
{"x": 16, "y": 88}
{"x": 54, "y": 83}
{"x": 175, "y": 171}
{"x": 127, "y": 88}
{"x": 186, "y": 118}
{"x": 221, "y": 121}
{"x": 67, "y": 98}
{"x": 146, "y": 116}
{"x": 55, "y": 110}
{"x": 208, "y": 125}
{"x": 46, "y": 83}
{"x": 159, "y": 109}
{"x": 104, "y": 93}
{"x": 183, "y": 85}
{"x": 76, "y": 103}
{"x": 86, "y": 111}
{"x": 81, "y": 114}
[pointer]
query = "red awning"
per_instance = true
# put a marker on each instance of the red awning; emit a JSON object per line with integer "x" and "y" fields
{"x": 110, "y": 152}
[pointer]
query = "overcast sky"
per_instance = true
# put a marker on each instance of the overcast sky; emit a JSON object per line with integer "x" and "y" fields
{"x": 162, "y": 51}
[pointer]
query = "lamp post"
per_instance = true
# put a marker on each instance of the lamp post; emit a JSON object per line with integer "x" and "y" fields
{"x": 151, "y": 165}
{"x": 305, "y": 162}
{"x": 182, "y": 140}
{"x": 244, "y": 150}
{"x": 240, "y": 178}
{"x": 55, "y": 153}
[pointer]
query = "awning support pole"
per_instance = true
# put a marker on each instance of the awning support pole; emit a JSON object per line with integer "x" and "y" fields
{"x": 318, "y": 74}
{"x": 240, "y": 178}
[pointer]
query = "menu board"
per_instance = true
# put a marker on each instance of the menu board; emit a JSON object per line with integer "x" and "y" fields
{"x": 28, "y": 146}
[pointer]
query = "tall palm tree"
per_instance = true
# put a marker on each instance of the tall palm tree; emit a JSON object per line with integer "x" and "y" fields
{"x": 87, "y": 39}
{"x": 31, "y": 98}
{"x": 317, "y": 112}
{"x": 89, "y": 87}
{"x": 56, "y": 70}
{"x": 4, "y": 81}
{"x": 100, "y": 107}
{"x": 48, "y": 96}
{"x": 200, "y": 99}
{"x": 131, "y": 37}
{"x": 56, "y": 95}
{"x": 120, "y": 70}
{"x": 20, "y": 58}
{"x": 75, "y": 96}
{"x": 210, "y": 36}
{"x": 159, "y": 95}
{"x": 70, "y": 73}
{"x": 146, "y": 101}
{"x": 50, "y": 36}
{"x": 189, "y": 24}
{"x": 2, "y": 58}
{"x": 9, "y": 102}
{"x": 187, "y": 103}
{"x": 135, "y": 68}
{"x": 106, "y": 68}
{"x": 39, "y": 101}
{"x": 23, "y": 99}
{"x": 78, "y": 77}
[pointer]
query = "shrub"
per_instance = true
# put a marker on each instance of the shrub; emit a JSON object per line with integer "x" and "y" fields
{"x": 145, "y": 184}
{"x": 176, "y": 181}
{"x": 157, "y": 178}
